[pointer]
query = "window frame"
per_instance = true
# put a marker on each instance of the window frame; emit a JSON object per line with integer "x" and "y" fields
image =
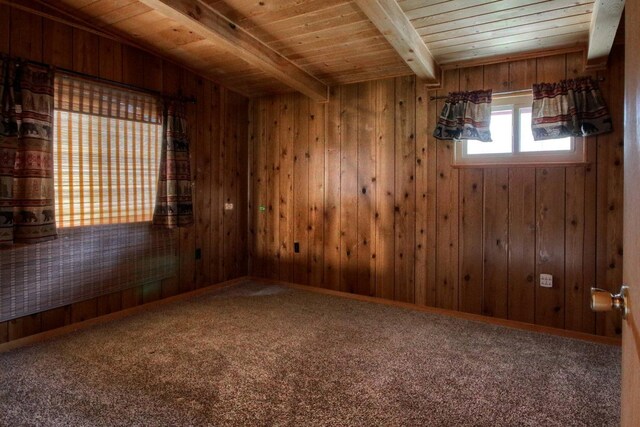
{"x": 122, "y": 128}
{"x": 515, "y": 101}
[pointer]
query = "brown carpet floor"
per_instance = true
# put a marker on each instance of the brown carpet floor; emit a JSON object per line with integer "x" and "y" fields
{"x": 267, "y": 355}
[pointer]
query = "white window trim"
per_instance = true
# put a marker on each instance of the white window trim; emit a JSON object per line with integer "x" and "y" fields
{"x": 516, "y": 100}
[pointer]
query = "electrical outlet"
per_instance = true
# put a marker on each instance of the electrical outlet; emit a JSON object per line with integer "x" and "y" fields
{"x": 228, "y": 206}
{"x": 546, "y": 280}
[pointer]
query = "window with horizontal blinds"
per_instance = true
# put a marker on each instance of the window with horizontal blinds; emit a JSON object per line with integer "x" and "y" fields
{"x": 107, "y": 143}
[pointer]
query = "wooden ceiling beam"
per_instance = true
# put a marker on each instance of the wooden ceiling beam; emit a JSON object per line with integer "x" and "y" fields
{"x": 605, "y": 19}
{"x": 392, "y": 22}
{"x": 205, "y": 21}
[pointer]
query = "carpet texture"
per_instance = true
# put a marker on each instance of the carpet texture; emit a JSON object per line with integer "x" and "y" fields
{"x": 268, "y": 355}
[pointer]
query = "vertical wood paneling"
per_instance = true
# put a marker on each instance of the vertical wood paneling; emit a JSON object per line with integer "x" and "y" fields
{"x": 301, "y": 194}
{"x": 589, "y": 263}
{"x": 574, "y": 242}
{"x": 260, "y": 190}
{"x": 385, "y": 189}
{"x": 111, "y": 66}
{"x": 496, "y": 238}
{"x": 332, "y": 192}
{"x": 317, "y": 123}
{"x": 522, "y": 74}
{"x": 405, "y": 200}
{"x": 56, "y": 318}
{"x": 24, "y": 326}
{"x": 232, "y": 227}
{"x": 366, "y": 189}
{"x": 522, "y": 244}
{"x": 133, "y": 67}
{"x": 432, "y": 200}
{"x": 471, "y": 218}
{"x": 273, "y": 184}
{"x": 551, "y": 68}
{"x": 202, "y": 166}
{"x": 5, "y": 30}
{"x": 4, "y": 327}
{"x": 85, "y": 61}
{"x": 471, "y": 244}
{"x": 255, "y": 187}
{"x": 25, "y": 32}
{"x": 496, "y": 76}
{"x": 151, "y": 292}
{"x": 550, "y": 210}
{"x": 241, "y": 160}
{"x": 216, "y": 245}
{"x": 287, "y": 117}
{"x": 112, "y": 303}
{"x": 349, "y": 189}
{"x": 422, "y": 243}
{"x": 447, "y": 213}
{"x": 56, "y": 41}
{"x": 85, "y": 310}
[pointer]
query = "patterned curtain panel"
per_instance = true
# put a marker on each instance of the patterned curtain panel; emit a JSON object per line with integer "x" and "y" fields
{"x": 26, "y": 153}
{"x": 465, "y": 115}
{"x": 174, "y": 206}
{"x": 570, "y": 108}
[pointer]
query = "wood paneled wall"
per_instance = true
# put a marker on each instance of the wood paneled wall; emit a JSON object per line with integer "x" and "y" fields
{"x": 218, "y": 125}
{"x": 377, "y": 208}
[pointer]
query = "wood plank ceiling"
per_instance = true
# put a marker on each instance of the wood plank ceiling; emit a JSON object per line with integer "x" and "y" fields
{"x": 462, "y": 30}
{"x": 335, "y": 42}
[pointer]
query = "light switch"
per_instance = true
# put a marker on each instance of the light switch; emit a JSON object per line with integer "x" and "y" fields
{"x": 228, "y": 206}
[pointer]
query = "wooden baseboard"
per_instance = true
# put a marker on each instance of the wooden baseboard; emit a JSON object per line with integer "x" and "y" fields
{"x": 47, "y": 335}
{"x": 452, "y": 313}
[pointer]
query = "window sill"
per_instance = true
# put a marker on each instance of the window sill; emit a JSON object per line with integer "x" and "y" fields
{"x": 516, "y": 164}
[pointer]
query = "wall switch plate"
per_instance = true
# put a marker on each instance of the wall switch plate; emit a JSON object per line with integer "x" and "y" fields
{"x": 228, "y": 206}
{"x": 546, "y": 280}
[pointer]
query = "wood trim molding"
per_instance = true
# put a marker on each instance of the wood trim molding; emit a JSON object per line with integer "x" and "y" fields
{"x": 394, "y": 25}
{"x": 207, "y": 22}
{"x": 605, "y": 19}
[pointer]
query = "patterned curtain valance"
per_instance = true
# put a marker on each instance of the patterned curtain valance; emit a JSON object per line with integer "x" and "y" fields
{"x": 174, "y": 205}
{"x": 26, "y": 153}
{"x": 569, "y": 108}
{"x": 465, "y": 115}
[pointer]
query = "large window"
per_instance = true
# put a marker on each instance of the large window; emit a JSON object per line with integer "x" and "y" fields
{"x": 513, "y": 141}
{"x": 106, "y": 153}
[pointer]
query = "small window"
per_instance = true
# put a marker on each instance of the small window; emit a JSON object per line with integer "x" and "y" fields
{"x": 106, "y": 144}
{"x": 513, "y": 142}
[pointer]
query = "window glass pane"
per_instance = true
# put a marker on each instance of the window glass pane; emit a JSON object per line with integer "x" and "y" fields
{"x": 501, "y": 134}
{"x": 527, "y": 144}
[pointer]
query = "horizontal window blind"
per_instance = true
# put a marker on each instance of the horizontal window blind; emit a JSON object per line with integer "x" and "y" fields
{"x": 84, "y": 263}
{"x": 107, "y": 144}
